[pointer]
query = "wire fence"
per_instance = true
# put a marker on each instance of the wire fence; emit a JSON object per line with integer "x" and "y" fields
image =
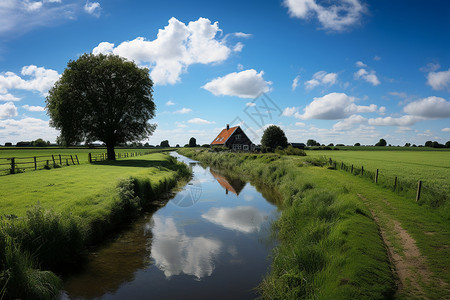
{"x": 14, "y": 165}
{"x": 422, "y": 191}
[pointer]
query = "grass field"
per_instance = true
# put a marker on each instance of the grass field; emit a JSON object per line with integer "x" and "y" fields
{"x": 25, "y": 156}
{"x": 330, "y": 244}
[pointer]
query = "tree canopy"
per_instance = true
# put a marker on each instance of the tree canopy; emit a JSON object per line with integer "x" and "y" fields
{"x": 381, "y": 143}
{"x": 192, "y": 142}
{"x": 102, "y": 98}
{"x": 164, "y": 144}
{"x": 274, "y": 137}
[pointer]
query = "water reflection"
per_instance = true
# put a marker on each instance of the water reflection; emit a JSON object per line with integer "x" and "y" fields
{"x": 241, "y": 218}
{"x": 233, "y": 185}
{"x": 175, "y": 253}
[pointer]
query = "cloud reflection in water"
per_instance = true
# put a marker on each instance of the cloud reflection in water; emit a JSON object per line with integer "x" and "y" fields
{"x": 245, "y": 219}
{"x": 176, "y": 253}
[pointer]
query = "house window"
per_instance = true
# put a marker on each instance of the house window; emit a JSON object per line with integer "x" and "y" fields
{"x": 245, "y": 147}
{"x": 237, "y": 146}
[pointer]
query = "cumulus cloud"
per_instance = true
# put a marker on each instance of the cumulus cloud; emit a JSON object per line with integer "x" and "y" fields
{"x": 430, "y": 108}
{"x": 370, "y": 77}
{"x": 400, "y": 121}
{"x": 245, "y": 219}
{"x": 8, "y": 110}
{"x": 8, "y": 97}
{"x": 32, "y": 6}
{"x": 199, "y": 121}
{"x": 244, "y": 84}
{"x": 170, "y": 103}
{"x": 295, "y": 82}
{"x": 321, "y": 78}
{"x": 289, "y": 111}
{"x": 39, "y": 79}
{"x": 177, "y": 253}
{"x": 360, "y": 64}
{"x": 92, "y": 8}
{"x": 334, "y": 106}
{"x": 446, "y": 129}
{"x": 183, "y": 111}
{"x": 176, "y": 47}
{"x": 439, "y": 80}
{"x": 26, "y": 129}
{"x": 33, "y": 108}
{"x": 348, "y": 123}
{"x": 336, "y": 17}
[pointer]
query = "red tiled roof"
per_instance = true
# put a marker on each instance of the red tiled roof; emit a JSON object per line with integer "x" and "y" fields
{"x": 223, "y": 182}
{"x": 223, "y": 136}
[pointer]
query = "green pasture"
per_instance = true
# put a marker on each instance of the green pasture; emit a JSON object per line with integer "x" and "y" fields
{"x": 87, "y": 190}
{"x": 432, "y": 167}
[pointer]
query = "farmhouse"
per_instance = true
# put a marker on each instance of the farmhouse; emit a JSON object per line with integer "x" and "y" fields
{"x": 233, "y": 138}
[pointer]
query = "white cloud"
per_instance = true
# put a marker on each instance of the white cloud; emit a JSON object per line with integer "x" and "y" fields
{"x": 104, "y": 48}
{"x": 377, "y": 58}
{"x": 33, "y": 108}
{"x": 8, "y": 110}
{"x": 199, "y": 121}
{"x": 245, "y": 219}
{"x": 243, "y": 35}
{"x": 238, "y": 47}
{"x": 439, "y": 80}
{"x": 245, "y": 84}
{"x": 19, "y": 16}
{"x": 40, "y": 79}
{"x": 334, "y": 106}
{"x": 176, "y": 253}
{"x": 92, "y": 8}
{"x": 321, "y": 78}
{"x": 183, "y": 111}
{"x": 336, "y": 17}
{"x": 170, "y": 103}
{"x": 430, "y": 67}
{"x": 8, "y": 97}
{"x": 176, "y": 47}
{"x": 398, "y": 94}
{"x": 289, "y": 111}
{"x": 295, "y": 82}
{"x": 240, "y": 67}
{"x": 250, "y": 104}
{"x": 430, "y": 108}
{"x": 390, "y": 121}
{"x": 348, "y": 123}
{"x": 446, "y": 129}
{"x": 360, "y": 64}
{"x": 300, "y": 124}
{"x": 382, "y": 110}
{"x": 370, "y": 77}
{"x": 26, "y": 129}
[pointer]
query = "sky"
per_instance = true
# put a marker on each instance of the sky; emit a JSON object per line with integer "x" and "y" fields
{"x": 336, "y": 71}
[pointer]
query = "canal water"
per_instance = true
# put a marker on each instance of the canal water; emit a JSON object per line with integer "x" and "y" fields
{"x": 212, "y": 240}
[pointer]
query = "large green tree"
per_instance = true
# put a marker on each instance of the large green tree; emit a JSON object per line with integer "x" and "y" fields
{"x": 273, "y": 137}
{"x": 102, "y": 98}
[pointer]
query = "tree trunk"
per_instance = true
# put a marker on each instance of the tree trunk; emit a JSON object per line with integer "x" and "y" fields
{"x": 111, "y": 152}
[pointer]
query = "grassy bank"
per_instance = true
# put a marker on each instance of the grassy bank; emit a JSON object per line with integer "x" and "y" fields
{"x": 330, "y": 246}
{"x": 50, "y": 217}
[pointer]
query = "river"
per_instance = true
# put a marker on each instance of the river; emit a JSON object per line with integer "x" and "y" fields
{"x": 211, "y": 240}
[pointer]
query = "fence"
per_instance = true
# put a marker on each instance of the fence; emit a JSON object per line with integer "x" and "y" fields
{"x": 104, "y": 156}
{"x": 423, "y": 192}
{"x": 14, "y": 165}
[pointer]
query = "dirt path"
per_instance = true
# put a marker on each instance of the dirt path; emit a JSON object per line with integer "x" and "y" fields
{"x": 410, "y": 266}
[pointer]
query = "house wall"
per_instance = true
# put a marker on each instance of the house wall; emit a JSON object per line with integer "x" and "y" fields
{"x": 240, "y": 141}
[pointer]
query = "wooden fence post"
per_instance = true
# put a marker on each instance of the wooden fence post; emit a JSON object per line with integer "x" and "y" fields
{"x": 13, "y": 165}
{"x": 72, "y": 159}
{"x": 90, "y": 157}
{"x": 376, "y": 177}
{"x": 77, "y": 159}
{"x": 351, "y": 170}
{"x": 395, "y": 183}
{"x": 342, "y": 165}
{"x": 35, "y": 163}
{"x": 67, "y": 161}
{"x": 362, "y": 171}
{"x": 419, "y": 189}
{"x": 60, "y": 161}
{"x": 47, "y": 163}
{"x": 53, "y": 158}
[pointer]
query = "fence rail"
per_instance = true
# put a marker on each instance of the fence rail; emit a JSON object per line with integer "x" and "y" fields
{"x": 104, "y": 156}
{"x": 420, "y": 190}
{"x": 13, "y": 165}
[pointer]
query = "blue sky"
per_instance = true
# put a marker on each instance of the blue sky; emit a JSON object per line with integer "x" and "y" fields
{"x": 335, "y": 71}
